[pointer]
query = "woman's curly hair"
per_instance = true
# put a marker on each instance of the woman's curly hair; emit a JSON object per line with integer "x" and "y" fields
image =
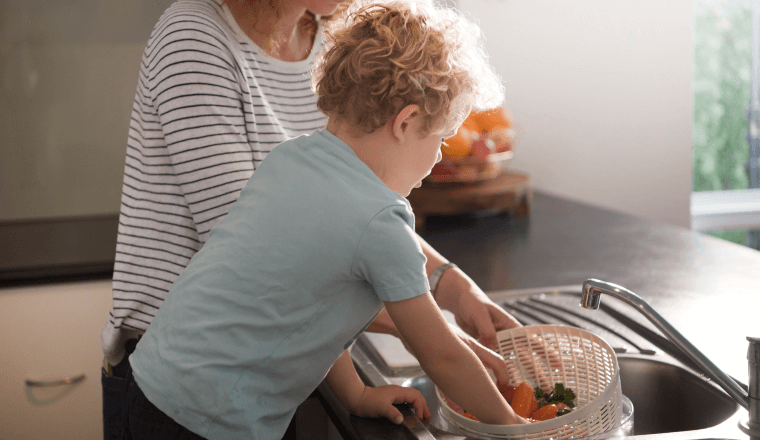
{"x": 381, "y": 56}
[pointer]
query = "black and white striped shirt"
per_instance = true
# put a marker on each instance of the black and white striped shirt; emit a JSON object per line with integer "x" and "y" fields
{"x": 209, "y": 107}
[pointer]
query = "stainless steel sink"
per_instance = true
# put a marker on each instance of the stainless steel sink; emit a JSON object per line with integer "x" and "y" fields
{"x": 671, "y": 399}
{"x": 668, "y": 398}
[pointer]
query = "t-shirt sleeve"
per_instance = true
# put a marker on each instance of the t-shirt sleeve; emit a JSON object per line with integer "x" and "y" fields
{"x": 389, "y": 256}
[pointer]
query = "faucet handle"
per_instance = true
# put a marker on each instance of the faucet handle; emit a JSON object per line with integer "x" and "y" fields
{"x": 753, "y": 353}
{"x": 751, "y": 425}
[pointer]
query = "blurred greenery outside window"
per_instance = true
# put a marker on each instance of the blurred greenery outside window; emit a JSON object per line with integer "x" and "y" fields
{"x": 722, "y": 70}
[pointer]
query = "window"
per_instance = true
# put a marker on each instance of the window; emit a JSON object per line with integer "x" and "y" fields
{"x": 726, "y": 192}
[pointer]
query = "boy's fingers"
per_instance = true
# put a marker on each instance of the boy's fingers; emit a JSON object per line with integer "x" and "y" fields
{"x": 415, "y": 397}
{"x": 420, "y": 404}
{"x": 394, "y": 415}
{"x": 423, "y": 412}
{"x": 495, "y": 363}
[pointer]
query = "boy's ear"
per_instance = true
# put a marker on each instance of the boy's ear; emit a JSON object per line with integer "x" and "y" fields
{"x": 401, "y": 122}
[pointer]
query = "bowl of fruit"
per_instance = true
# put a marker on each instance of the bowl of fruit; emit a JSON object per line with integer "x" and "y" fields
{"x": 482, "y": 148}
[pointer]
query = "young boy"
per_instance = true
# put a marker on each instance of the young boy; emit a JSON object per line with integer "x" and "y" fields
{"x": 319, "y": 241}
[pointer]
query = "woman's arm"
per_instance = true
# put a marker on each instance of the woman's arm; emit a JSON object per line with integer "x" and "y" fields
{"x": 474, "y": 311}
{"x": 448, "y": 361}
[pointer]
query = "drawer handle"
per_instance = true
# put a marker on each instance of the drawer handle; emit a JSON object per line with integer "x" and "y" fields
{"x": 54, "y": 383}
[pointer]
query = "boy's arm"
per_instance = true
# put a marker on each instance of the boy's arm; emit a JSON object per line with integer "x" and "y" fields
{"x": 448, "y": 361}
{"x": 490, "y": 359}
{"x": 368, "y": 401}
{"x": 383, "y": 324}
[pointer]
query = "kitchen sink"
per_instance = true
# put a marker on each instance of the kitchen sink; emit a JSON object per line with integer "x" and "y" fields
{"x": 666, "y": 397}
{"x": 671, "y": 399}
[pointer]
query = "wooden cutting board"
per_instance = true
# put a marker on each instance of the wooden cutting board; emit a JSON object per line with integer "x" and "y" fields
{"x": 507, "y": 192}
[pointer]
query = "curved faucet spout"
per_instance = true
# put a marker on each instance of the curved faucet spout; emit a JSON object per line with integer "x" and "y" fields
{"x": 591, "y": 298}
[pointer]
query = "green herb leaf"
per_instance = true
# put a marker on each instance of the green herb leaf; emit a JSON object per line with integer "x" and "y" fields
{"x": 559, "y": 394}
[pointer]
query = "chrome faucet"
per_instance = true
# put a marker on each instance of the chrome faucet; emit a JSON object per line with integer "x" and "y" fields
{"x": 591, "y": 298}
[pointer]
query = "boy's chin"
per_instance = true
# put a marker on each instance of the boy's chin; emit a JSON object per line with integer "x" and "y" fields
{"x": 409, "y": 191}
{"x": 416, "y": 185}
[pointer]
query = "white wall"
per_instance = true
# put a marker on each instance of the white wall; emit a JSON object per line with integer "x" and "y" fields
{"x": 603, "y": 91}
{"x": 68, "y": 73}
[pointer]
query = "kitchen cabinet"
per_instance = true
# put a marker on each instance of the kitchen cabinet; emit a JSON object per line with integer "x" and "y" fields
{"x": 48, "y": 332}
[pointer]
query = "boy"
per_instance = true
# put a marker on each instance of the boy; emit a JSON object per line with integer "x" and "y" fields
{"x": 320, "y": 239}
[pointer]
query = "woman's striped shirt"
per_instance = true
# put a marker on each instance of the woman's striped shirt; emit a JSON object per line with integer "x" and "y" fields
{"x": 209, "y": 107}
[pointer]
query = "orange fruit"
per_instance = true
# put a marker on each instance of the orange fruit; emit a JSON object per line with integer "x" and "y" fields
{"x": 494, "y": 119}
{"x": 471, "y": 123}
{"x": 546, "y": 412}
{"x": 458, "y": 146}
{"x": 524, "y": 401}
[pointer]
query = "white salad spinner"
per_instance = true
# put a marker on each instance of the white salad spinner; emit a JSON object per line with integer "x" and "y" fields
{"x": 544, "y": 355}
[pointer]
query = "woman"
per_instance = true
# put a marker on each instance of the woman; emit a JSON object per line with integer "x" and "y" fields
{"x": 220, "y": 84}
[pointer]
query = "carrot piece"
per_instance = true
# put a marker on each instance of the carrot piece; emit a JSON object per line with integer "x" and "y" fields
{"x": 457, "y": 409}
{"x": 546, "y": 412}
{"x": 524, "y": 400}
{"x": 470, "y": 416}
{"x": 509, "y": 393}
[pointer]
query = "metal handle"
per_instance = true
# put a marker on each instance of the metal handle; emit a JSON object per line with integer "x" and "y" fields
{"x": 55, "y": 383}
{"x": 591, "y": 298}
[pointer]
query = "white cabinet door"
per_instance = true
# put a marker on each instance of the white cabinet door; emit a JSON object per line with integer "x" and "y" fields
{"x": 50, "y": 332}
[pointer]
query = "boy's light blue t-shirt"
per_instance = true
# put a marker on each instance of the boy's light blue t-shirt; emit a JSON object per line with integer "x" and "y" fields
{"x": 296, "y": 271}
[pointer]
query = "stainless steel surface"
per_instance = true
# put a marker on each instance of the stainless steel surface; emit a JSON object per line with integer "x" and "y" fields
{"x": 591, "y": 299}
{"x": 751, "y": 425}
{"x": 55, "y": 383}
{"x": 671, "y": 399}
{"x": 668, "y": 398}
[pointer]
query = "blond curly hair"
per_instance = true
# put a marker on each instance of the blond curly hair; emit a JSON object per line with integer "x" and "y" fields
{"x": 381, "y": 56}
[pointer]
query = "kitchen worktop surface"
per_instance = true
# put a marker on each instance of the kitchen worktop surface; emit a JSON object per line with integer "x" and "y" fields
{"x": 707, "y": 288}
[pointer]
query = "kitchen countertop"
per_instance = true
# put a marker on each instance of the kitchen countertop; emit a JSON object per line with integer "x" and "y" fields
{"x": 707, "y": 288}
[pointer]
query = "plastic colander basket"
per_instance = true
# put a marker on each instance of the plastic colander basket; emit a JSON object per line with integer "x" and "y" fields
{"x": 543, "y": 355}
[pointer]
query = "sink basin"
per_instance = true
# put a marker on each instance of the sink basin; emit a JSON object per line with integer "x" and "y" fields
{"x": 666, "y": 397}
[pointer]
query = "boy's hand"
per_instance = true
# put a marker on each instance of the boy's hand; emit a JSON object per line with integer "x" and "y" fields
{"x": 488, "y": 357}
{"x": 379, "y": 401}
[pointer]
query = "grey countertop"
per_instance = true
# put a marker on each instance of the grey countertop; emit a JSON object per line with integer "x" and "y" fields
{"x": 707, "y": 288}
